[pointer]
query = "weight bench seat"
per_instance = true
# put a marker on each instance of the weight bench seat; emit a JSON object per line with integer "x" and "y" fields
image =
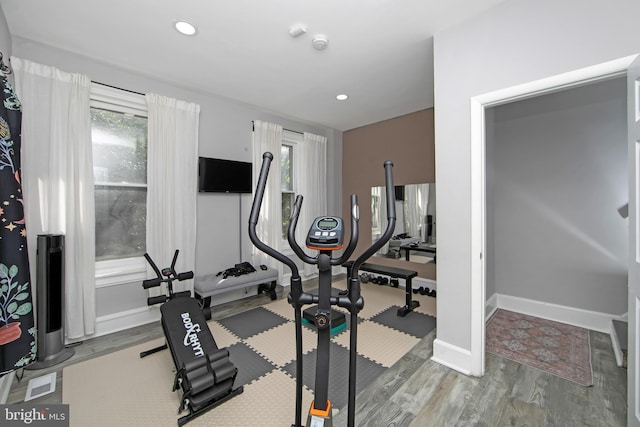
{"x": 399, "y": 273}
{"x": 212, "y": 284}
{"x": 203, "y": 371}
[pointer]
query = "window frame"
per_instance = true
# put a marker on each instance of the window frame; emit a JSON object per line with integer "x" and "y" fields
{"x": 120, "y": 271}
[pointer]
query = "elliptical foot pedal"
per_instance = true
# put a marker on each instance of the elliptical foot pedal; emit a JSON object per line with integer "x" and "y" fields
{"x": 320, "y": 417}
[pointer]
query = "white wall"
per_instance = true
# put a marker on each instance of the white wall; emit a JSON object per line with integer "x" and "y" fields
{"x": 5, "y": 37}
{"x": 559, "y": 175}
{"x": 516, "y": 42}
{"x": 225, "y": 132}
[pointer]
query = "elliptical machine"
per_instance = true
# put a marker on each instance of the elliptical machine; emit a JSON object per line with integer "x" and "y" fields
{"x": 325, "y": 235}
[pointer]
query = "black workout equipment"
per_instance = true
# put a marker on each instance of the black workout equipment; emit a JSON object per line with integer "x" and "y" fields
{"x": 204, "y": 372}
{"x": 325, "y": 235}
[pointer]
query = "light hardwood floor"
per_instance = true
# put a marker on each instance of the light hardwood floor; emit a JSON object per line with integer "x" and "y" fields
{"x": 418, "y": 392}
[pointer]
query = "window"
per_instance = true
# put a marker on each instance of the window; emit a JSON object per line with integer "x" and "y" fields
{"x": 119, "y": 138}
{"x": 289, "y": 141}
{"x": 286, "y": 184}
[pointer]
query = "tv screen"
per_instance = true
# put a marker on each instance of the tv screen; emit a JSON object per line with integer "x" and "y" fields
{"x": 224, "y": 176}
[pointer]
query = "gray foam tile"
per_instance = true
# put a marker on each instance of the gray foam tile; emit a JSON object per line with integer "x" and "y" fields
{"x": 366, "y": 372}
{"x": 252, "y": 322}
{"x": 249, "y": 363}
{"x": 414, "y": 323}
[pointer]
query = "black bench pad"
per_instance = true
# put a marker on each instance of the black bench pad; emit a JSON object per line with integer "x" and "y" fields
{"x": 399, "y": 273}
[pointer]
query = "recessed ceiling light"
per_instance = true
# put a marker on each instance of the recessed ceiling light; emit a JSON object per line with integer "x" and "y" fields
{"x": 342, "y": 97}
{"x": 185, "y": 28}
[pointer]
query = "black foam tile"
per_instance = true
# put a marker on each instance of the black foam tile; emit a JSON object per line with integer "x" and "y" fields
{"x": 252, "y": 322}
{"x": 366, "y": 372}
{"x": 250, "y": 364}
{"x": 414, "y": 323}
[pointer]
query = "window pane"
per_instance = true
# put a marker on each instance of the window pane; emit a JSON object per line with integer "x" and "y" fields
{"x": 286, "y": 181}
{"x": 120, "y": 222}
{"x": 120, "y": 177}
{"x": 287, "y": 204}
{"x": 119, "y": 147}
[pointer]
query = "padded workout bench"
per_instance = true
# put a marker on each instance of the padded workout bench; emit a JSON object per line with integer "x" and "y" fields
{"x": 204, "y": 372}
{"x": 207, "y": 286}
{"x": 398, "y": 273}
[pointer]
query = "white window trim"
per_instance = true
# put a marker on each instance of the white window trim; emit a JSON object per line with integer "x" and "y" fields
{"x": 118, "y": 100}
{"x": 125, "y": 270}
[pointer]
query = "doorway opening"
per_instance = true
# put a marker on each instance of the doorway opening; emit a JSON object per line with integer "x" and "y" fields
{"x": 479, "y": 109}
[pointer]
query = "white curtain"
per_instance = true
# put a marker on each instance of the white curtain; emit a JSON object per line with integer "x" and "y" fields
{"x": 172, "y": 174}
{"x": 268, "y": 137}
{"x": 310, "y": 178}
{"x": 415, "y": 211}
{"x": 58, "y": 179}
{"x": 379, "y": 218}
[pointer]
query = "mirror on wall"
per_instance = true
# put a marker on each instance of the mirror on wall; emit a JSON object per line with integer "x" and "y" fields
{"x": 414, "y": 238}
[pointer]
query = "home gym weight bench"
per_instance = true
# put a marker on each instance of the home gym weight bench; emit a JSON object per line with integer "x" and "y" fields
{"x": 207, "y": 286}
{"x": 203, "y": 371}
{"x": 398, "y": 273}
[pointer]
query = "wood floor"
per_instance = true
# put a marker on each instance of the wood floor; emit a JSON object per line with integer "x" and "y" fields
{"x": 418, "y": 392}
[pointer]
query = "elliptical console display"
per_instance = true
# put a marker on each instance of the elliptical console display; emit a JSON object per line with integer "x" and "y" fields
{"x": 326, "y": 234}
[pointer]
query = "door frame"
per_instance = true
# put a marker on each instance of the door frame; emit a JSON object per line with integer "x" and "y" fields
{"x": 478, "y": 105}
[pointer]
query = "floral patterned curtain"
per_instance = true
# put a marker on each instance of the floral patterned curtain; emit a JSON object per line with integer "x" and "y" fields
{"x": 17, "y": 329}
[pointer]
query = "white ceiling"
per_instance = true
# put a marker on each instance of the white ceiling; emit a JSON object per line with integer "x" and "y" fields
{"x": 380, "y": 52}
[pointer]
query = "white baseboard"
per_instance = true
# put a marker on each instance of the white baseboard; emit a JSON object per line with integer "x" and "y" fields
{"x": 490, "y": 306}
{"x": 587, "y": 319}
{"x": 5, "y": 386}
{"x": 452, "y": 356}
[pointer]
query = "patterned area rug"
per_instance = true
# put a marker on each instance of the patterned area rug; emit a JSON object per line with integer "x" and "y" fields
{"x": 120, "y": 389}
{"x": 559, "y": 349}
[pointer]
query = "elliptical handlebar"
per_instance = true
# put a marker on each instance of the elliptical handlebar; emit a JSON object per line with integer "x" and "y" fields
{"x": 255, "y": 213}
{"x": 353, "y": 240}
{"x": 391, "y": 217}
{"x": 291, "y": 232}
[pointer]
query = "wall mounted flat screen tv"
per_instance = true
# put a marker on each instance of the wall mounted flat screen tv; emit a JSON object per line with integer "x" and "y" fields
{"x": 224, "y": 176}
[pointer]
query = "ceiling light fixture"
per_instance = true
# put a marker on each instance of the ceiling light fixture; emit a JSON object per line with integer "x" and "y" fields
{"x": 342, "y": 97}
{"x": 185, "y": 28}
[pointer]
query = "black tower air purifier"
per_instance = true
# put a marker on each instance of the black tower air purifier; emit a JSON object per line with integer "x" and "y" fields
{"x": 50, "y": 302}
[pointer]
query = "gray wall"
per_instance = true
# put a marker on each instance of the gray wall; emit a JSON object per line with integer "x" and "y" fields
{"x": 558, "y": 176}
{"x": 225, "y": 132}
{"x": 516, "y": 42}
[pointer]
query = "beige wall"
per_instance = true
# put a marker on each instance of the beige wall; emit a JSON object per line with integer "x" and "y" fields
{"x": 408, "y": 141}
